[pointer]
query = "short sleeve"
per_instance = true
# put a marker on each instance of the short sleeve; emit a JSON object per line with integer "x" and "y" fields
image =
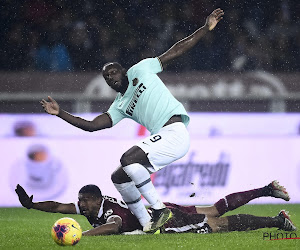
{"x": 112, "y": 217}
{"x": 150, "y": 65}
{"x": 115, "y": 114}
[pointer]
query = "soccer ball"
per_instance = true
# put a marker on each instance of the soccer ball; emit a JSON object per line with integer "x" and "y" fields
{"x": 66, "y": 232}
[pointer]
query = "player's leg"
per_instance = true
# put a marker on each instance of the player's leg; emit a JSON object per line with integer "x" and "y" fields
{"x": 149, "y": 156}
{"x": 135, "y": 163}
{"x": 235, "y": 200}
{"x": 211, "y": 211}
{"x": 244, "y": 222}
{"x": 138, "y": 183}
{"x": 131, "y": 195}
{"x": 207, "y": 210}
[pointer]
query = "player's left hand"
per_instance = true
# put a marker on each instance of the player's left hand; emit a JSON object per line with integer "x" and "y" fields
{"x": 215, "y": 17}
{"x": 25, "y": 200}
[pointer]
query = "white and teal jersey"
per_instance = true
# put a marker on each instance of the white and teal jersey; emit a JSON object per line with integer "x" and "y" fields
{"x": 146, "y": 100}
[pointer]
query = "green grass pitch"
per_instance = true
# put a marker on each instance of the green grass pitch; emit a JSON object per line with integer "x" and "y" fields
{"x": 30, "y": 229}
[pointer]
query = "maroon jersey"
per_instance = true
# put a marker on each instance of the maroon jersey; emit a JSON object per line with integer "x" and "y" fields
{"x": 113, "y": 207}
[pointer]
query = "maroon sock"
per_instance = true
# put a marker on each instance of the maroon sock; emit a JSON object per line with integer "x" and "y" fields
{"x": 243, "y": 222}
{"x": 235, "y": 200}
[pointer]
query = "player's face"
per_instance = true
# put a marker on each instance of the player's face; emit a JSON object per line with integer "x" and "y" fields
{"x": 89, "y": 204}
{"x": 114, "y": 77}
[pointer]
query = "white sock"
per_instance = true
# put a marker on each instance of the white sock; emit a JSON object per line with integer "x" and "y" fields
{"x": 141, "y": 177}
{"x": 132, "y": 198}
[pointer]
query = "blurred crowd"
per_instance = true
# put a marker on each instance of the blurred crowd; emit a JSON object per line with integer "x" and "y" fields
{"x": 75, "y": 35}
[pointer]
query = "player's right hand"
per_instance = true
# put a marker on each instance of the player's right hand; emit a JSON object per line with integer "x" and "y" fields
{"x": 25, "y": 200}
{"x": 50, "y": 107}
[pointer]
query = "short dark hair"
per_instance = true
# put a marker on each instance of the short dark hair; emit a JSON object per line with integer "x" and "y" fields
{"x": 91, "y": 189}
{"x": 114, "y": 64}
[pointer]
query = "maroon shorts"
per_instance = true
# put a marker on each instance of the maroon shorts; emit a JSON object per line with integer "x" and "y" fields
{"x": 186, "y": 220}
{"x": 185, "y": 209}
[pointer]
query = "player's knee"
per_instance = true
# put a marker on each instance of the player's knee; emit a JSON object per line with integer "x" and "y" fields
{"x": 130, "y": 157}
{"x": 119, "y": 176}
{"x": 213, "y": 224}
{"x": 218, "y": 224}
{"x": 114, "y": 177}
{"x": 134, "y": 155}
{"x": 126, "y": 159}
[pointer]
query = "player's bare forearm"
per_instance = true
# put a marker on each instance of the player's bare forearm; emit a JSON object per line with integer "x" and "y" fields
{"x": 55, "y": 207}
{"x": 100, "y": 122}
{"x": 106, "y": 229}
{"x": 184, "y": 45}
{"x": 190, "y": 41}
{"x": 75, "y": 120}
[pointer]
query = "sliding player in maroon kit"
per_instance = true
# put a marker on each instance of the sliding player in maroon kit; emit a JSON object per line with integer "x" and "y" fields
{"x": 111, "y": 216}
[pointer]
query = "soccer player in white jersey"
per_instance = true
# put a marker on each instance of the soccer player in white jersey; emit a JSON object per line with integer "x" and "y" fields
{"x": 143, "y": 97}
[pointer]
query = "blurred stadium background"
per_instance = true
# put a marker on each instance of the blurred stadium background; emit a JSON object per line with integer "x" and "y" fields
{"x": 240, "y": 85}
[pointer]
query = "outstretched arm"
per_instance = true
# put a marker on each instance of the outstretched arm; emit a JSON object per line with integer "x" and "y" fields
{"x": 113, "y": 226}
{"x": 46, "y": 206}
{"x": 100, "y": 122}
{"x": 190, "y": 41}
